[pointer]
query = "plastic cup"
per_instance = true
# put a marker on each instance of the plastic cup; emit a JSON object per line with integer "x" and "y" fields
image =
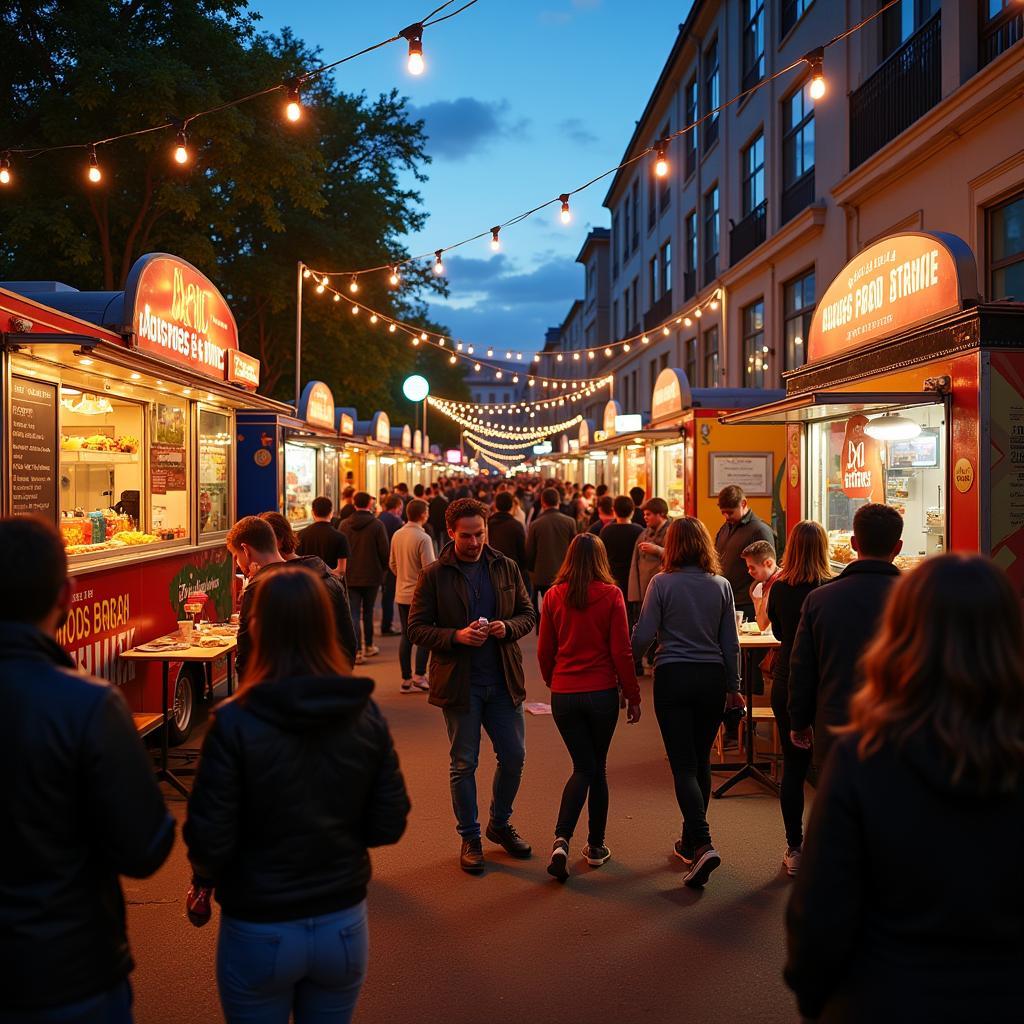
{"x": 185, "y": 627}
{"x": 740, "y": 617}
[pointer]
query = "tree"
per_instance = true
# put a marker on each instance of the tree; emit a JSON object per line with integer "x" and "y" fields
{"x": 258, "y": 194}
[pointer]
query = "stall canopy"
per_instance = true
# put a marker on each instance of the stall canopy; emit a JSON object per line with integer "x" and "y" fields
{"x": 827, "y": 405}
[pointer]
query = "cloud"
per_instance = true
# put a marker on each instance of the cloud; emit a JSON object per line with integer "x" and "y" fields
{"x": 576, "y": 131}
{"x": 563, "y": 17}
{"x": 457, "y": 129}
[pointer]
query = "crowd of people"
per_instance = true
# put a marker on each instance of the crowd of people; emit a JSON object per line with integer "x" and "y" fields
{"x": 901, "y": 697}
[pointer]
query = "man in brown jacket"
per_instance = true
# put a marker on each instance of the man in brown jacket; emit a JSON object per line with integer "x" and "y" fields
{"x": 647, "y": 556}
{"x": 470, "y": 609}
{"x": 547, "y": 541}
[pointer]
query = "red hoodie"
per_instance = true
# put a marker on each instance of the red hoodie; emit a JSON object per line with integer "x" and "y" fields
{"x": 582, "y": 651}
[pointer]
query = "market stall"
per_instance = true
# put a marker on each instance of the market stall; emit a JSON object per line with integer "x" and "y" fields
{"x": 913, "y": 395}
{"x": 119, "y": 411}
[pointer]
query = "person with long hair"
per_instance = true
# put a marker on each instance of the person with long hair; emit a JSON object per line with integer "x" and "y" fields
{"x": 585, "y": 658}
{"x": 689, "y": 610}
{"x": 906, "y": 906}
{"x": 298, "y": 777}
{"x": 806, "y": 567}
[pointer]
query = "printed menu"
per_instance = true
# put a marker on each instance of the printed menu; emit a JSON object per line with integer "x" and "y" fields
{"x": 33, "y": 448}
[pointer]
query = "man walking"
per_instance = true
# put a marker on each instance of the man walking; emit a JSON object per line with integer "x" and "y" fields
{"x": 619, "y": 538}
{"x": 471, "y": 609}
{"x": 604, "y": 514}
{"x": 504, "y": 532}
{"x": 837, "y": 623}
{"x": 392, "y": 518}
{"x": 79, "y": 804}
{"x": 320, "y": 538}
{"x": 347, "y": 508}
{"x": 367, "y": 563}
{"x": 646, "y": 564}
{"x": 740, "y": 529}
{"x": 412, "y": 551}
{"x": 435, "y": 518}
{"x": 547, "y": 541}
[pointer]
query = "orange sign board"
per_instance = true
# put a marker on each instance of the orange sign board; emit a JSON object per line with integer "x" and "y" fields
{"x": 178, "y": 314}
{"x": 860, "y": 464}
{"x": 316, "y": 405}
{"x": 891, "y": 286}
{"x": 242, "y": 369}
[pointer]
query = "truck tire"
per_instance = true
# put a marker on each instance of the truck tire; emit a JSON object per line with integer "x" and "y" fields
{"x": 182, "y": 709}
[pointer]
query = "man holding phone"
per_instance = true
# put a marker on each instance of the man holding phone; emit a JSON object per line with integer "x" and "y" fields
{"x": 470, "y": 609}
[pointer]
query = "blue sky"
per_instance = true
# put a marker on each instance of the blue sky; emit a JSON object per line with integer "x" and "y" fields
{"x": 523, "y": 99}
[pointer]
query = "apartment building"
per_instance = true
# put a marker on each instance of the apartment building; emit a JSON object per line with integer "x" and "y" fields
{"x": 921, "y": 127}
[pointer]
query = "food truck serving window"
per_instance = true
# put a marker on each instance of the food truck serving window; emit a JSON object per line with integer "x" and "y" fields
{"x": 671, "y": 476}
{"x": 897, "y": 458}
{"x": 214, "y": 472}
{"x": 299, "y": 482}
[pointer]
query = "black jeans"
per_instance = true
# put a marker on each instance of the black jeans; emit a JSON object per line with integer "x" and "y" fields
{"x": 387, "y": 601}
{"x": 362, "y": 600}
{"x": 796, "y": 763}
{"x": 688, "y": 701}
{"x": 405, "y": 647}
{"x": 586, "y": 722}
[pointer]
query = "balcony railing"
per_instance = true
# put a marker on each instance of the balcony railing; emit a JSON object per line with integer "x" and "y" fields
{"x": 999, "y": 34}
{"x": 659, "y": 312}
{"x": 797, "y": 197}
{"x": 710, "y": 269}
{"x": 689, "y": 284}
{"x": 905, "y": 87}
{"x": 746, "y": 236}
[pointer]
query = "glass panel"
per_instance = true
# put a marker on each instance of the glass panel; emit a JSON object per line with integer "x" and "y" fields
{"x": 214, "y": 471}
{"x": 299, "y": 482}
{"x": 1008, "y": 230}
{"x": 168, "y": 469}
{"x": 1008, "y": 283}
{"x": 330, "y": 484}
{"x": 636, "y": 468}
{"x": 672, "y": 477}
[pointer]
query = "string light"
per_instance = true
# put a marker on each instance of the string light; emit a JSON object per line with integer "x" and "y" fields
{"x": 392, "y": 328}
{"x": 565, "y": 214}
{"x": 373, "y": 318}
{"x": 495, "y": 241}
{"x": 5, "y": 169}
{"x": 816, "y": 62}
{"x": 665, "y": 331}
{"x": 713, "y": 304}
{"x": 293, "y": 108}
{"x": 687, "y": 321}
{"x": 181, "y": 150}
{"x": 414, "y": 34}
{"x": 453, "y": 359}
{"x": 353, "y": 285}
{"x": 393, "y": 278}
{"x": 95, "y": 174}
{"x": 355, "y": 310}
{"x": 698, "y": 313}
{"x": 305, "y": 272}
{"x": 476, "y": 366}
{"x": 321, "y": 286}
{"x": 337, "y": 297}
{"x": 661, "y": 163}
{"x": 438, "y": 263}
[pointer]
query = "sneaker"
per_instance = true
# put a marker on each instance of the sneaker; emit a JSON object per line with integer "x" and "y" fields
{"x": 508, "y": 837}
{"x": 420, "y": 682}
{"x": 408, "y": 687}
{"x": 359, "y": 658}
{"x": 471, "y": 858}
{"x": 705, "y": 860}
{"x": 596, "y": 855}
{"x": 683, "y": 852}
{"x": 370, "y": 650}
{"x": 558, "y": 865}
{"x": 791, "y": 861}
{"x": 390, "y": 632}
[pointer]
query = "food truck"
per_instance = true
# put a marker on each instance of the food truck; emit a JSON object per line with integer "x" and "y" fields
{"x": 119, "y": 412}
{"x": 913, "y": 395}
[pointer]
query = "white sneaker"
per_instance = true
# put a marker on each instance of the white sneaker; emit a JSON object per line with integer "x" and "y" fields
{"x": 408, "y": 687}
{"x": 370, "y": 650}
{"x": 791, "y": 861}
{"x": 420, "y": 682}
{"x": 359, "y": 658}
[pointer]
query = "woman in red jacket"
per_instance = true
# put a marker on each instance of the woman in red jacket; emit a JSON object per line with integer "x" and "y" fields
{"x": 585, "y": 658}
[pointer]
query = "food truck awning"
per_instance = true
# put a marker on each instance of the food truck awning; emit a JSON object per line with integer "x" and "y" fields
{"x": 832, "y": 405}
{"x": 651, "y": 435}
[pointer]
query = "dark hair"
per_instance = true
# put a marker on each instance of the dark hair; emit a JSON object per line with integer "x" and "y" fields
{"x": 361, "y": 499}
{"x": 585, "y": 562}
{"x": 760, "y": 551}
{"x": 602, "y": 489}
{"x": 503, "y": 502}
{"x": 464, "y": 508}
{"x": 659, "y": 506}
{"x": 948, "y": 660}
{"x": 878, "y": 529}
{"x": 416, "y": 510}
{"x": 293, "y": 628}
{"x": 403, "y": 487}
{"x": 36, "y": 567}
{"x": 287, "y": 542}
{"x": 550, "y": 498}
{"x": 348, "y": 492}
{"x": 624, "y": 507}
{"x": 322, "y": 507}
{"x": 606, "y": 504}
{"x": 731, "y": 496}
{"x": 393, "y": 501}
{"x": 689, "y": 543}
{"x": 637, "y": 494}
{"x": 255, "y": 532}
{"x": 418, "y": 491}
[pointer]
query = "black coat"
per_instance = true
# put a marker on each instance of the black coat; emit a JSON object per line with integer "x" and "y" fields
{"x": 837, "y": 623}
{"x": 368, "y": 549}
{"x": 79, "y": 805}
{"x": 297, "y": 778}
{"x": 506, "y": 534}
{"x": 907, "y": 906}
{"x": 730, "y": 541}
{"x": 338, "y": 593}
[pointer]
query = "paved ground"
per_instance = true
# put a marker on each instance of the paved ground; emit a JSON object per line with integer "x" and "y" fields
{"x": 620, "y": 944}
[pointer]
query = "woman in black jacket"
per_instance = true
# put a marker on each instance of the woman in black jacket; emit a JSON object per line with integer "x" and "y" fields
{"x": 907, "y": 906}
{"x": 298, "y": 777}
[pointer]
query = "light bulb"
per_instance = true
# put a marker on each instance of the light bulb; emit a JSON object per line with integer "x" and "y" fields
{"x": 497, "y": 374}
{"x": 713, "y": 304}
{"x": 337, "y": 297}
{"x": 665, "y": 331}
{"x": 469, "y": 349}
{"x": 558, "y": 358}
{"x": 687, "y": 321}
{"x": 355, "y": 310}
{"x": 392, "y": 328}
{"x": 591, "y": 354}
{"x": 565, "y": 214}
{"x": 373, "y": 318}
{"x": 661, "y": 163}
{"x": 5, "y": 170}
{"x": 515, "y": 378}
{"x": 353, "y": 285}
{"x": 607, "y": 351}
{"x": 181, "y": 150}
{"x": 320, "y": 288}
{"x": 415, "y": 340}
{"x": 476, "y": 366}
{"x": 414, "y": 34}
{"x": 95, "y": 174}
{"x": 495, "y": 241}
{"x": 438, "y": 263}
{"x": 293, "y": 108}
{"x": 423, "y": 335}
{"x": 816, "y": 62}
{"x": 697, "y": 313}
{"x": 305, "y": 272}
{"x": 453, "y": 359}
{"x": 393, "y": 279}
{"x": 626, "y": 347}
{"x": 645, "y": 340}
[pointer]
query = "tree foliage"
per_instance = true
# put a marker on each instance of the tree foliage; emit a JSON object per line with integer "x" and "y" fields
{"x": 258, "y": 195}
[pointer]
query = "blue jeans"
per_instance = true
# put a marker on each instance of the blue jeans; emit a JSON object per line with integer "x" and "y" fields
{"x": 312, "y": 967}
{"x": 362, "y": 600}
{"x": 492, "y": 708}
{"x": 387, "y": 601}
{"x": 114, "y": 1006}
{"x": 405, "y": 647}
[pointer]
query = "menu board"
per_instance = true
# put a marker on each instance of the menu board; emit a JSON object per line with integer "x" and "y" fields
{"x": 750, "y": 470}
{"x": 33, "y": 448}
{"x": 167, "y": 468}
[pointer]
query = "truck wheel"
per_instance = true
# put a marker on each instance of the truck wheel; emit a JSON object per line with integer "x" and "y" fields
{"x": 182, "y": 710}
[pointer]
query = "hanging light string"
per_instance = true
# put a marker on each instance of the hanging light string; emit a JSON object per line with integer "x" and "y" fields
{"x": 498, "y": 444}
{"x": 505, "y": 431}
{"x": 291, "y": 86}
{"x": 813, "y": 60}
{"x": 503, "y": 408}
{"x": 502, "y": 462}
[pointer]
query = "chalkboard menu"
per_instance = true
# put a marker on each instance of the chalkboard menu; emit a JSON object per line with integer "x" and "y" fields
{"x": 33, "y": 448}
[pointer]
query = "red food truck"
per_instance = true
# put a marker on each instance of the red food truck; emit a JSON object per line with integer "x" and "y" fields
{"x": 119, "y": 427}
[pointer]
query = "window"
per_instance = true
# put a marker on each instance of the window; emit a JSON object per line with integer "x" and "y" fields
{"x": 690, "y": 360}
{"x": 168, "y": 472}
{"x": 797, "y": 310}
{"x": 652, "y": 203}
{"x": 654, "y": 280}
{"x": 1001, "y": 25}
{"x": 753, "y": 42}
{"x": 755, "y": 354}
{"x": 901, "y": 21}
{"x": 666, "y": 183}
{"x": 491, "y": 397}
{"x": 636, "y": 302}
{"x": 711, "y": 234}
{"x": 300, "y": 482}
{"x": 691, "y": 243}
{"x": 627, "y": 319}
{"x": 792, "y": 12}
{"x": 636, "y": 214}
{"x": 692, "y": 116}
{"x": 215, "y": 444}
{"x": 616, "y": 238}
{"x": 662, "y": 365}
{"x": 753, "y": 175}
{"x": 797, "y": 136}
{"x": 615, "y": 316}
{"x": 627, "y": 233}
{"x": 711, "y": 95}
{"x": 711, "y": 357}
{"x": 591, "y": 278}
{"x": 1006, "y": 250}
{"x": 666, "y": 268}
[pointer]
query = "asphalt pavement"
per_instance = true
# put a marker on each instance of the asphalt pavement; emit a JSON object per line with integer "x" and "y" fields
{"x": 619, "y": 944}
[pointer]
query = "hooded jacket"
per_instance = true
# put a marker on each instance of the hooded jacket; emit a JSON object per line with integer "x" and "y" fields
{"x": 79, "y": 805}
{"x": 297, "y": 778}
{"x": 906, "y": 907}
{"x": 506, "y": 534}
{"x": 368, "y": 549}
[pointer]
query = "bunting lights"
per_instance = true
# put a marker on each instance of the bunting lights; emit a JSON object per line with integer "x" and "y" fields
{"x": 504, "y": 431}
